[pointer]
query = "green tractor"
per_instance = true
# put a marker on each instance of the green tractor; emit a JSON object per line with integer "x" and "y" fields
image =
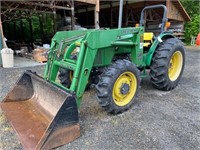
{"x": 114, "y": 60}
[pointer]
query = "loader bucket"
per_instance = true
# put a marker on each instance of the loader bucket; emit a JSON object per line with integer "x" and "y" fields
{"x": 43, "y": 115}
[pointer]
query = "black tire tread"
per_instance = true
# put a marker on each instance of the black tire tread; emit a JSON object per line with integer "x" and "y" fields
{"x": 160, "y": 61}
{"x": 64, "y": 77}
{"x": 106, "y": 82}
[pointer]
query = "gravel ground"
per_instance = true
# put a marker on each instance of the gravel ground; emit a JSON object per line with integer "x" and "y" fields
{"x": 158, "y": 120}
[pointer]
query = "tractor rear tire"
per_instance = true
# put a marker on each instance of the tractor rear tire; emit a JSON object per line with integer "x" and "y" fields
{"x": 65, "y": 77}
{"x": 118, "y": 86}
{"x": 167, "y": 64}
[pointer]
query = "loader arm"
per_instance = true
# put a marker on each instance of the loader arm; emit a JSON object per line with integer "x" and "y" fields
{"x": 59, "y": 56}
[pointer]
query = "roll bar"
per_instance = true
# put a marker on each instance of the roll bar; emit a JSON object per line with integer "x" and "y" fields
{"x": 164, "y": 19}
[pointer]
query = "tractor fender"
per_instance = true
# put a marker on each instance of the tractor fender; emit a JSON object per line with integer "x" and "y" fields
{"x": 159, "y": 39}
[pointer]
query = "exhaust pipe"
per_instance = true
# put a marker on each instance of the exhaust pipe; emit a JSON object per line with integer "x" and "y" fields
{"x": 120, "y": 14}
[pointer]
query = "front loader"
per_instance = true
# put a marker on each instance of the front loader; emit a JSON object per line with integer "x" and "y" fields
{"x": 44, "y": 111}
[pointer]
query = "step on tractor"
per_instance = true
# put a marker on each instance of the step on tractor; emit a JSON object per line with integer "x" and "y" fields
{"x": 44, "y": 110}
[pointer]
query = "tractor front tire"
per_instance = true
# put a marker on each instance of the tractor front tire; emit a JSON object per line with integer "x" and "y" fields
{"x": 167, "y": 64}
{"x": 118, "y": 86}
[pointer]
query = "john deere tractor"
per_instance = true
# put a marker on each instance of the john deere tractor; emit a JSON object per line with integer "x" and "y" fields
{"x": 114, "y": 60}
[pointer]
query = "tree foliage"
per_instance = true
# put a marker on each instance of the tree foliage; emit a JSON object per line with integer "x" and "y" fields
{"x": 192, "y": 28}
{"x": 19, "y": 29}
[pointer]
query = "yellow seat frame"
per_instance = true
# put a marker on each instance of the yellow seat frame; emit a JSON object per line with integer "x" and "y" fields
{"x": 148, "y": 36}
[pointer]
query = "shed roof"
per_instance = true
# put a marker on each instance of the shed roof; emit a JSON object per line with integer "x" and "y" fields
{"x": 181, "y": 9}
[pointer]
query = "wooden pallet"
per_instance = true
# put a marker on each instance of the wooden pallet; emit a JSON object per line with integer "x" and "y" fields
{"x": 38, "y": 55}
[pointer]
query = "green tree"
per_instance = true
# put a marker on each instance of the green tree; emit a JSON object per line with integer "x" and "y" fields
{"x": 192, "y": 28}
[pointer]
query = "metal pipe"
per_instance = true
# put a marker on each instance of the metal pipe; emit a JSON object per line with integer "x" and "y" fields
{"x": 120, "y": 14}
{"x": 123, "y": 43}
{"x": 43, "y": 5}
{"x": 96, "y": 14}
{"x": 26, "y": 9}
{"x": 72, "y": 16}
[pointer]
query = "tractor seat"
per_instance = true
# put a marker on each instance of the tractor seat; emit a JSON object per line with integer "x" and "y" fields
{"x": 148, "y": 36}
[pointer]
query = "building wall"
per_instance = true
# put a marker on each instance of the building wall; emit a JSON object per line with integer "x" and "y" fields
{"x": 131, "y": 13}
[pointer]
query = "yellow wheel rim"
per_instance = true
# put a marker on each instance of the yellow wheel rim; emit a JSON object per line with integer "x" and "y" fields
{"x": 124, "y": 88}
{"x": 175, "y": 65}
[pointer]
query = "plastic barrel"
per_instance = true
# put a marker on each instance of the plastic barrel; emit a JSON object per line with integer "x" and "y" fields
{"x": 7, "y": 57}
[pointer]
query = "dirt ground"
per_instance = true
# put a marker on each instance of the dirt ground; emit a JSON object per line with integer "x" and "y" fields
{"x": 158, "y": 120}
